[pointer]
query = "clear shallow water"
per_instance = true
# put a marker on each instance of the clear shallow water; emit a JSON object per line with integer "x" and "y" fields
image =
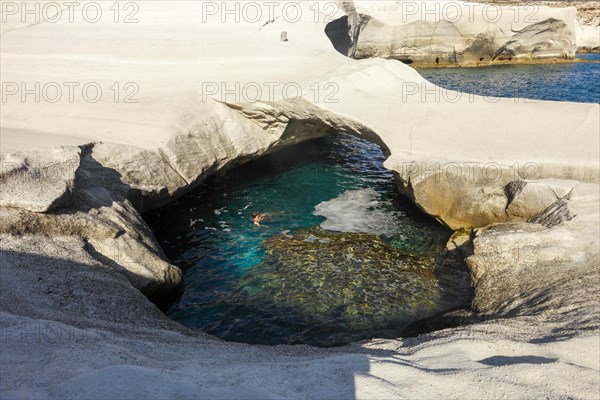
{"x": 371, "y": 273}
{"x": 577, "y": 82}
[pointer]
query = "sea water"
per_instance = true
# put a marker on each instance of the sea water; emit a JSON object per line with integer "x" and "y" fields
{"x": 576, "y": 82}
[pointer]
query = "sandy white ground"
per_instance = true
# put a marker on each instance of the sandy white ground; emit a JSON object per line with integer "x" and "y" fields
{"x": 113, "y": 343}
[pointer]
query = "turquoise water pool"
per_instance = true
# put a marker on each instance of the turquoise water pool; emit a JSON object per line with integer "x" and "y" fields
{"x": 342, "y": 256}
{"x": 578, "y": 82}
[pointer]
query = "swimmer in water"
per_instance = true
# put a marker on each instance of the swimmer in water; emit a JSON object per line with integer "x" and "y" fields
{"x": 257, "y": 217}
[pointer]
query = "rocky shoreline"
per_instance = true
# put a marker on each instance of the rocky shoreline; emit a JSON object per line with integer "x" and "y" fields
{"x": 475, "y": 35}
{"x": 78, "y": 258}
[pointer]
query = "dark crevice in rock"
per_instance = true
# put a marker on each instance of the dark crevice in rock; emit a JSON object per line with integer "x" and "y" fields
{"x": 156, "y": 292}
{"x": 555, "y": 214}
{"x": 166, "y": 160}
{"x": 512, "y": 190}
{"x": 445, "y": 320}
{"x": 345, "y": 31}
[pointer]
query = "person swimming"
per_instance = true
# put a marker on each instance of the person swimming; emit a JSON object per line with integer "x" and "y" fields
{"x": 257, "y": 217}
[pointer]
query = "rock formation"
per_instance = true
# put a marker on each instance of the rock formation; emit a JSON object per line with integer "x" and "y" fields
{"x": 460, "y": 36}
{"x": 588, "y": 37}
{"x": 587, "y": 23}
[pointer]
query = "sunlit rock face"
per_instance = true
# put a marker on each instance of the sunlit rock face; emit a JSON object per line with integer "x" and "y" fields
{"x": 351, "y": 285}
{"x": 588, "y": 37}
{"x": 468, "y": 36}
{"x": 547, "y": 39}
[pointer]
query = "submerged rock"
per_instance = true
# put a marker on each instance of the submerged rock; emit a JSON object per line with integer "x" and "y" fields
{"x": 354, "y": 283}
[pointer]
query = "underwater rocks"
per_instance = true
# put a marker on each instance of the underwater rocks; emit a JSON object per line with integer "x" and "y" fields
{"x": 354, "y": 284}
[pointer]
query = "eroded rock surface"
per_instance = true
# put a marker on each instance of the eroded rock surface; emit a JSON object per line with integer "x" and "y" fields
{"x": 98, "y": 213}
{"x": 460, "y": 36}
{"x": 587, "y": 24}
{"x": 542, "y": 270}
{"x": 547, "y": 39}
{"x": 39, "y": 181}
{"x": 470, "y": 195}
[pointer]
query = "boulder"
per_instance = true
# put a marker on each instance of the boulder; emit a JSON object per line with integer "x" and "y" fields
{"x": 547, "y": 39}
{"x": 527, "y": 199}
{"x": 457, "y": 35}
{"x": 523, "y": 269}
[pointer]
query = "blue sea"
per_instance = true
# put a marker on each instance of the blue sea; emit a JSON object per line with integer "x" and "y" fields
{"x": 576, "y": 82}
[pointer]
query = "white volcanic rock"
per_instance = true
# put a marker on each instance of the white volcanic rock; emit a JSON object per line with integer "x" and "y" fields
{"x": 528, "y": 199}
{"x": 458, "y": 171}
{"x": 588, "y": 37}
{"x": 457, "y": 34}
{"x": 94, "y": 209}
{"x": 72, "y": 276}
{"x": 587, "y": 23}
{"x": 545, "y": 39}
{"x": 516, "y": 266}
{"x": 38, "y": 181}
